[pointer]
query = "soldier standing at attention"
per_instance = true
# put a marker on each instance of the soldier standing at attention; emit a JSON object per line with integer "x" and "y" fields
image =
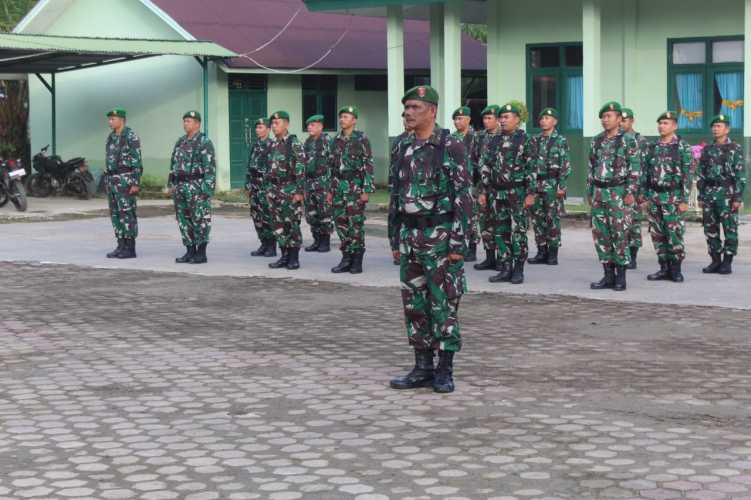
{"x": 192, "y": 181}
{"x": 612, "y": 183}
{"x": 286, "y": 190}
{"x": 353, "y": 181}
{"x": 462, "y": 117}
{"x": 634, "y": 213}
{"x": 319, "y": 163}
{"x": 255, "y": 184}
{"x": 431, "y": 198}
{"x": 123, "y": 174}
{"x": 721, "y": 179}
{"x": 667, "y": 183}
{"x": 549, "y": 160}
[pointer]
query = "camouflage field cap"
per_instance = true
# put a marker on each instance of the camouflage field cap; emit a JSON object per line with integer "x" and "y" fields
{"x": 610, "y": 106}
{"x": 280, "y": 115}
{"x": 668, "y": 115}
{"x": 549, "y": 112}
{"x": 349, "y": 109}
{"x": 463, "y": 111}
{"x": 721, "y": 118}
{"x": 511, "y": 108}
{"x": 424, "y": 93}
{"x": 314, "y": 118}
{"x": 192, "y": 114}
{"x": 120, "y": 112}
{"x": 627, "y": 113}
{"x": 492, "y": 109}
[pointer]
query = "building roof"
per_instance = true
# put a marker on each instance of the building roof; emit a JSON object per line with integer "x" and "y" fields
{"x": 245, "y": 25}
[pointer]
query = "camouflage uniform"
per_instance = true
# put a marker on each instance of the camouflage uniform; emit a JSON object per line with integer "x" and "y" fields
{"x": 319, "y": 163}
{"x": 123, "y": 170}
{"x": 550, "y": 165}
{"x": 481, "y": 216}
{"x": 286, "y": 179}
{"x": 636, "y": 215}
{"x": 256, "y": 184}
{"x": 193, "y": 176}
{"x": 468, "y": 138}
{"x": 353, "y": 175}
{"x": 393, "y": 221}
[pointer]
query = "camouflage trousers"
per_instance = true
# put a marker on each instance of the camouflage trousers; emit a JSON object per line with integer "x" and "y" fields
{"x": 432, "y": 287}
{"x": 474, "y": 235}
{"x": 260, "y": 213}
{"x": 717, "y": 212}
{"x": 546, "y": 220}
{"x": 609, "y": 224}
{"x": 318, "y": 211}
{"x": 484, "y": 226}
{"x": 122, "y": 208}
{"x": 508, "y": 223}
{"x": 286, "y": 215}
{"x": 349, "y": 217}
{"x": 193, "y": 212}
{"x": 634, "y": 226}
{"x": 666, "y": 226}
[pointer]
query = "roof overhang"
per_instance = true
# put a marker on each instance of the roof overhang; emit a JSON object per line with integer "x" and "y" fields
{"x": 473, "y": 11}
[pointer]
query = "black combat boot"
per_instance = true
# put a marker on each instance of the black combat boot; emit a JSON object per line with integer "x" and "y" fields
{"x": 727, "y": 265}
{"x": 200, "y": 256}
{"x": 552, "y": 256}
{"x": 634, "y": 251}
{"x": 517, "y": 277}
{"x": 316, "y": 241}
{"x": 504, "y": 275}
{"x": 344, "y": 265}
{"x": 444, "y": 372}
{"x": 129, "y": 249}
{"x": 114, "y": 253}
{"x": 261, "y": 250}
{"x": 662, "y": 274}
{"x": 270, "y": 248}
{"x": 293, "y": 258}
{"x": 620, "y": 278}
{"x": 190, "y": 252}
{"x": 282, "y": 262}
{"x": 356, "y": 266}
{"x": 489, "y": 263}
{"x": 714, "y": 266}
{"x": 471, "y": 253}
{"x": 324, "y": 242}
{"x": 420, "y": 376}
{"x": 541, "y": 257}
{"x": 675, "y": 272}
{"x": 608, "y": 279}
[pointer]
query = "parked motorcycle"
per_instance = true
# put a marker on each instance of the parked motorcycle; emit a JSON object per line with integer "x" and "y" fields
{"x": 52, "y": 174}
{"x": 11, "y": 186}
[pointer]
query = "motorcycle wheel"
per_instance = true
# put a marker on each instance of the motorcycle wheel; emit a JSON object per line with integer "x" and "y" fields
{"x": 77, "y": 186}
{"x": 18, "y": 196}
{"x": 40, "y": 185}
{"x": 3, "y": 195}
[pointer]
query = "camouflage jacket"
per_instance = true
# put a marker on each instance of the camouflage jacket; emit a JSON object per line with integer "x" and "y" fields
{"x": 615, "y": 161}
{"x": 667, "y": 171}
{"x": 722, "y": 167}
{"x": 319, "y": 162}
{"x": 505, "y": 163}
{"x": 468, "y": 138}
{"x": 123, "y": 155}
{"x": 353, "y": 159}
{"x": 258, "y": 162}
{"x": 549, "y": 161}
{"x": 194, "y": 157}
{"x": 480, "y": 142}
{"x": 287, "y": 164}
{"x": 643, "y": 144}
{"x": 421, "y": 187}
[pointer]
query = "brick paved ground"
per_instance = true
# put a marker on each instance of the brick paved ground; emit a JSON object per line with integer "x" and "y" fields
{"x": 135, "y": 384}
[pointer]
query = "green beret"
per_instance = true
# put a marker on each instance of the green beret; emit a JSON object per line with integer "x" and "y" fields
{"x": 262, "y": 121}
{"x": 463, "y": 111}
{"x": 610, "y": 106}
{"x": 492, "y": 109}
{"x": 349, "y": 109}
{"x": 192, "y": 114}
{"x": 422, "y": 93}
{"x": 549, "y": 112}
{"x": 668, "y": 115}
{"x": 314, "y": 118}
{"x": 116, "y": 112}
{"x": 511, "y": 108}
{"x": 721, "y": 118}
{"x": 279, "y": 115}
{"x": 627, "y": 113}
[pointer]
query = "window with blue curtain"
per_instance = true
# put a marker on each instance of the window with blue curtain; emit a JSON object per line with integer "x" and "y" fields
{"x": 690, "y": 88}
{"x": 729, "y": 93}
{"x": 575, "y": 102}
{"x": 554, "y": 79}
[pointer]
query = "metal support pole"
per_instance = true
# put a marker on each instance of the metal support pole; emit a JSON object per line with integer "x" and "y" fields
{"x": 54, "y": 117}
{"x": 205, "y": 66}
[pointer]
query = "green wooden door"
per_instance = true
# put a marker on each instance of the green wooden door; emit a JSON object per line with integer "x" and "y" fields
{"x": 245, "y": 106}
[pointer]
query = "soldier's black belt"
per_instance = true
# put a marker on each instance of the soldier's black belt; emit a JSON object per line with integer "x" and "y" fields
{"x": 609, "y": 184}
{"x": 552, "y": 175}
{"x": 510, "y": 185}
{"x": 416, "y": 221}
{"x": 183, "y": 177}
{"x": 119, "y": 172}
{"x": 663, "y": 189}
{"x": 348, "y": 176}
{"x": 717, "y": 183}
{"x": 281, "y": 180}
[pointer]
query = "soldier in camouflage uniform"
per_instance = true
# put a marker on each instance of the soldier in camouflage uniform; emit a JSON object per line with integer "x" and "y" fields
{"x": 123, "y": 175}
{"x": 721, "y": 179}
{"x": 255, "y": 185}
{"x": 481, "y": 215}
{"x": 666, "y": 185}
{"x": 393, "y": 223}
{"x": 353, "y": 181}
{"x": 613, "y": 179}
{"x": 319, "y": 163}
{"x": 464, "y": 132}
{"x": 549, "y": 161}
{"x": 431, "y": 197}
{"x": 636, "y": 214}
{"x": 286, "y": 190}
{"x": 192, "y": 181}
{"x": 506, "y": 177}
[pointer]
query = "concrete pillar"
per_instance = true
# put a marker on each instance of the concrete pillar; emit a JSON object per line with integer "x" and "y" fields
{"x": 495, "y": 72}
{"x": 630, "y": 67}
{"x": 436, "y": 47}
{"x": 747, "y": 70}
{"x": 451, "y": 77}
{"x": 395, "y": 68}
{"x": 592, "y": 70}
